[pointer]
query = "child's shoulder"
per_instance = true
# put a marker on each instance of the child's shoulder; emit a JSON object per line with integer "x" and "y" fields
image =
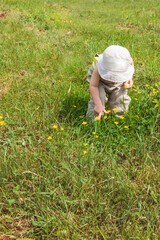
{"x": 92, "y": 67}
{"x": 96, "y": 58}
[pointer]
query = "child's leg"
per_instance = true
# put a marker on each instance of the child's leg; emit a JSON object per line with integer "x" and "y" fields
{"x": 119, "y": 99}
{"x": 102, "y": 94}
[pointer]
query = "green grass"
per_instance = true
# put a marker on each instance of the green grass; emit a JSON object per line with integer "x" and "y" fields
{"x": 63, "y": 188}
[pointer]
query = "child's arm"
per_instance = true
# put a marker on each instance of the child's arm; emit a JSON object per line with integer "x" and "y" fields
{"x": 99, "y": 108}
{"x": 128, "y": 84}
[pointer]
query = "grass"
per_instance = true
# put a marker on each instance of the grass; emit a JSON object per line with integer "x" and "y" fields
{"x": 76, "y": 184}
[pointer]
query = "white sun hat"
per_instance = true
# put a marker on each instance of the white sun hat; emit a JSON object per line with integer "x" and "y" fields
{"x": 116, "y": 64}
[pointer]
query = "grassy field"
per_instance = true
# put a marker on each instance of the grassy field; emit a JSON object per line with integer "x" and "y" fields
{"x": 61, "y": 176}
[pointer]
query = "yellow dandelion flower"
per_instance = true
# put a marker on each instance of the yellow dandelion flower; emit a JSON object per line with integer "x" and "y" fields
{"x": 133, "y": 85}
{"x": 135, "y": 99}
{"x": 97, "y": 136}
{"x": 98, "y": 119}
{"x": 49, "y": 138}
{"x": 139, "y": 92}
{"x": 125, "y": 112}
{"x": 147, "y": 85}
{"x": 62, "y": 129}
{"x": 121, "y": 117}
{"x": 135, "y": 90}
{"x": 85, "y": 144}
{"x": 55, "y": 126}
{"x": 74, "y": 106}
{"x": 116, "y": 123}
{"x": 115, "y": 109}
{"x": 84, "y": 123}
{"x": 108, "y": 111}
{"x": 84, "y": 152}
{"x": 105, "y": 117}
{"x": 2, "y": 123}
{"x": 126, "y": 127}
{"x": 1, "y": 117}
{"x": 93, "y": 133}
{"x": 126, "y": 85}
{"x": 59, "y": 81}
{"x": 148, "y": 95}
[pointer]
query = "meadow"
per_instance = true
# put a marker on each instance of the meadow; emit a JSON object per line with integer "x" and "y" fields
{"x": 62, "y": 176}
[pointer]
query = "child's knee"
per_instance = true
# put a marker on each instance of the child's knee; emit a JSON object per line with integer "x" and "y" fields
{"x": 90, "y": 112}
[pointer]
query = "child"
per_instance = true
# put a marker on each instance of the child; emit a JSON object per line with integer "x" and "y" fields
{"x": 112, "y": 75}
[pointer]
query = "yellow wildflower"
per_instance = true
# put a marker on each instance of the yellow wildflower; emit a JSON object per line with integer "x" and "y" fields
{"x": 126, "y": 85}
{"x": 108, "y": 111}
{"x": 85, "y": 144}
{"x": 2, "y": 123}
{"x": 115, "y": 109}
{"x": 126, "y": 127}
{"x": 74, "y": 106}
{"x": 94, "y": 133}
{"x": 62, "y": 129}
{"x": 85, "y": 152}
{"x": 147, "y": 85}
{"x": 1, "y": 117}
{"x": 116, "y": 123}
{"x": 55, "y": 126}
{"x": 105, "y": 117}
{"x": 98, "y": 119}
{"x": 125, "y": 112}
{"x": 155, "y": 91}
{"x": 59, "y": 81}
{"x": 139, "y": 92}
{"x": 84, "y": 123}
{"x": 97, "y": 136}
{"x": 135, "y": 99}
{"x": 49, "y": 138}
{"x": 148, "y": 95}
{"x": 135, "y": 90}
{"x": 121, "y": 117}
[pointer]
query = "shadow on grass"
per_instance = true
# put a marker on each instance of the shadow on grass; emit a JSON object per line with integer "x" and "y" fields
{"x": 73, "y": 108}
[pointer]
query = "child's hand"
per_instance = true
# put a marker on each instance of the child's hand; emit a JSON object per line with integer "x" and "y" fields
{"x": 100, "y": 110}
{"x": 128, "y": 84}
